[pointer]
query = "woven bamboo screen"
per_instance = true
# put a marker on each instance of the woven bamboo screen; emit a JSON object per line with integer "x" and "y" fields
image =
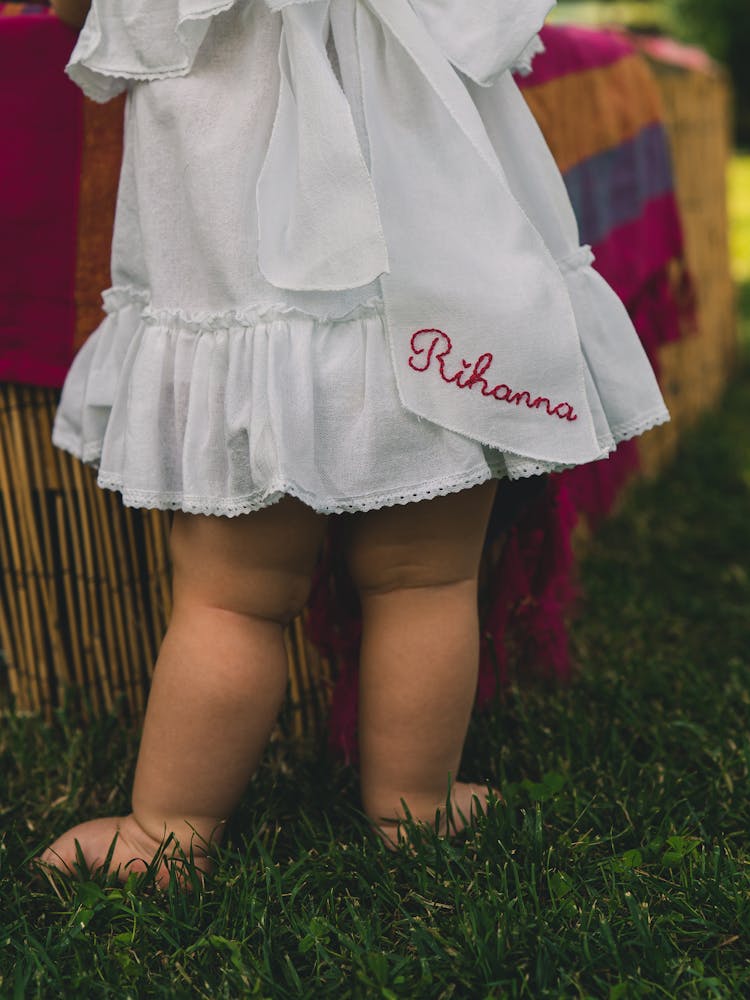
{"x": 84, "y": 583}
{"x": 85, "y": 589}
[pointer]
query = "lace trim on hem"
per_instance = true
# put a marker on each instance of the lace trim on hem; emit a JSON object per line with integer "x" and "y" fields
{"x": 628, "y": 431}
{"x": 150, "y": 500}
{"x": 91, "y": 454}
{"x": 268, "y": 497}
{"x": 535, "y": 469}
{"x": 88, "y": 454}
{"x": 609, "y": 445}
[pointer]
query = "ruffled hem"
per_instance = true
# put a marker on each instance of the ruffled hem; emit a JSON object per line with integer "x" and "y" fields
{"x": 224, "y": 414}
{"x": 261, "y": 498}
{"x": 226, "y": 418}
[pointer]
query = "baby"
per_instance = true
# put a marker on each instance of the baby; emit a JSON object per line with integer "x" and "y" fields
{"x": 347, "y": 281}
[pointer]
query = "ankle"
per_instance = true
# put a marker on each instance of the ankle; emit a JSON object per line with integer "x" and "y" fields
{"x": 176, "y": 837}
{"x": 467, "y": 802}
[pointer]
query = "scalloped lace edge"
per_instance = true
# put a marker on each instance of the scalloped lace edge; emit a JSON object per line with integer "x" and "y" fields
{"x": 267, "y": 497}
{"x": 618, "y": 435}
{"x": 637, "y": 427}
{"x": 257, "y": 500}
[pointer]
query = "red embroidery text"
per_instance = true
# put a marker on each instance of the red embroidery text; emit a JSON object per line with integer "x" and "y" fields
{"x": 434, "y": 345}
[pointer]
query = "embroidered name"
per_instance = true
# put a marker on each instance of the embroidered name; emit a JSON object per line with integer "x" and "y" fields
{"x": 430, "y": 346}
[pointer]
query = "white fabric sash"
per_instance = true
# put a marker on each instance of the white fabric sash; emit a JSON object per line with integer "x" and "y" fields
{"x": 396, "y": 177}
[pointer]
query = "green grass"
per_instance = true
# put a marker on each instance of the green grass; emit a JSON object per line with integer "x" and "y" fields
{"x": 619, "y": 867}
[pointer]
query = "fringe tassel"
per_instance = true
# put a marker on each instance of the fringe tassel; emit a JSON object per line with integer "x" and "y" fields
{"x": 334, "y": 626}
{"x": 532, "y": 595}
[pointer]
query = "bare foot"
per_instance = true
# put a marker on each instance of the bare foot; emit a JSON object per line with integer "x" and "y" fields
{"x": 132, "y": 850}
{"x": 467, "y": 802}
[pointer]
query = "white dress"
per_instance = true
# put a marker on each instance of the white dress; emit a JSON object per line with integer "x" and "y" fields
{"x": 344, "y": 264}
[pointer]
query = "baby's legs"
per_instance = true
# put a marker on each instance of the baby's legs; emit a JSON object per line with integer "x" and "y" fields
{"x": 416, "y": 568}
{"x": 218, "y": 683}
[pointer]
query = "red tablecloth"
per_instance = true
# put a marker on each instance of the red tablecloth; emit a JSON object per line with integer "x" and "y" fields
{"x": 59, "y": 158}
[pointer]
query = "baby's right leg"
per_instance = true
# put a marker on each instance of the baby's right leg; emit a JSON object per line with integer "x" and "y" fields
{"x": 218, "y": 684}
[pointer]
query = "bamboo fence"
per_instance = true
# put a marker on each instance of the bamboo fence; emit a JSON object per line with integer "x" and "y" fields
{"x": 84, "y": 582}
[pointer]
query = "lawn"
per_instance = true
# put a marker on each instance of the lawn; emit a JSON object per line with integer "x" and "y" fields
{"x": 618, "y": 867}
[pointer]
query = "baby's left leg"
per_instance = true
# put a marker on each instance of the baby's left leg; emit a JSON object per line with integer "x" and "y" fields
{"x": 218, "y": 684}
{"x": 416, "y": 570}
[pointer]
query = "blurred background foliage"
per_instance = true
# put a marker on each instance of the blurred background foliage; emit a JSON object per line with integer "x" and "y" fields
{"x": 721, "y": 27}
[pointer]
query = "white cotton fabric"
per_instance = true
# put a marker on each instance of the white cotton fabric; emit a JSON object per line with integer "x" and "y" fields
{"x": 317, "y": 198}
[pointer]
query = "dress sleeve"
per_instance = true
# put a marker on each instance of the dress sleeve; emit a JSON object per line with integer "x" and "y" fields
{"x": 126, "y": 40}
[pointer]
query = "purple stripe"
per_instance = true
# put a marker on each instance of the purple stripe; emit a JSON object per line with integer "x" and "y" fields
{"x": 612, "y": 188}
{"x": 29, "y": 8}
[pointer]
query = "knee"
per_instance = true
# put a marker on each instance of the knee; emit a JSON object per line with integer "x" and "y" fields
{"x": 380, "y": 572}
{"x": 263, "y": 595}
{"x": 261, "y": 590}
{"x": 273, "y": 597}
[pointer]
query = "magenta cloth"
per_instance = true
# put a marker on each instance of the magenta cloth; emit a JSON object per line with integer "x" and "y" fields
{"x": 40, "y": 137}
{"x": 632, "y": 254}
{"x": 570, "y": 49}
